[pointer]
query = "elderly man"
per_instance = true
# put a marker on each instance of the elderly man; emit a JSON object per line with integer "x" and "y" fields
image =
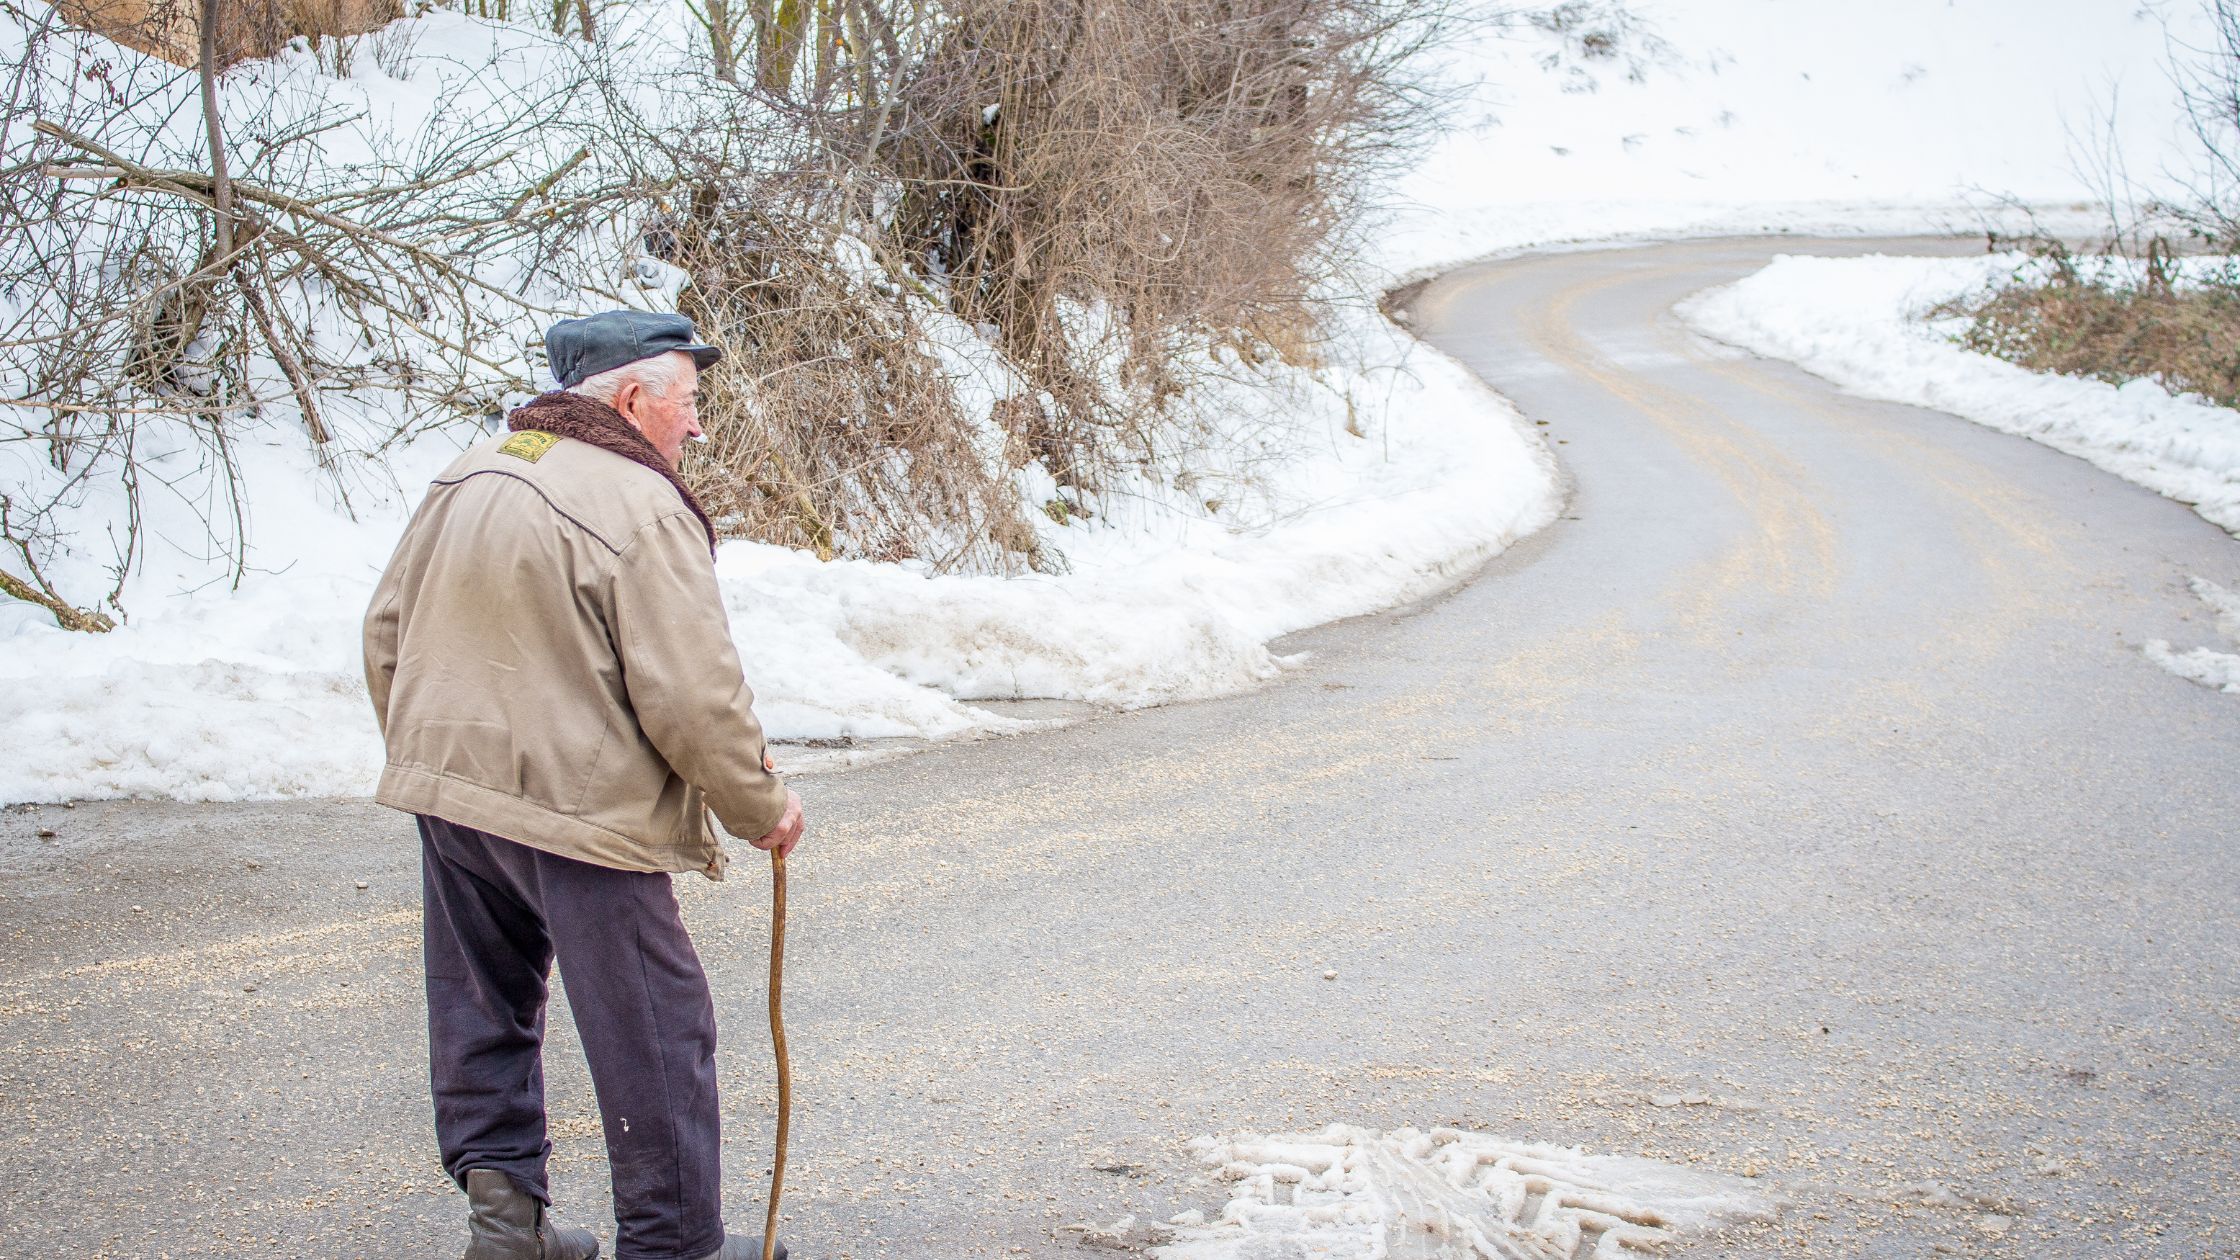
{"x": 553, "y": 672}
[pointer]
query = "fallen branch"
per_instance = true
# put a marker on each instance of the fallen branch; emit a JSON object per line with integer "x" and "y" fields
{"x": 39, "y": 591}
{"x": 298, "y": 382}
{"x": 82, "y": 619}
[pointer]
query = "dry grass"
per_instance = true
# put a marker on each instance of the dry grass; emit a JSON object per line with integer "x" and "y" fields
{"x": 2129, "y": 308}
{"x": 2071, "y": 318}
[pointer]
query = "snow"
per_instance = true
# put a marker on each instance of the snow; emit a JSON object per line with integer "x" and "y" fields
{"x": 1859, "y": 323}
{"x": 1159, "y": 605}
{"x": 1348, "y": 1193}
{"x": 2206, "y": 666}
{"x": 1731, "y": 117}
{"x": 214, "y": 693}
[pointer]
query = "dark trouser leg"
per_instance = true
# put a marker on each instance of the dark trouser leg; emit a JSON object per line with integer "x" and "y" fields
{"x": 487, "y": 957}
{"x": 649, "y": 1031}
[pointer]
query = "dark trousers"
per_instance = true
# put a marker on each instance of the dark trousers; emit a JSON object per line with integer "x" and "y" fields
{"x": 497, "y": 916}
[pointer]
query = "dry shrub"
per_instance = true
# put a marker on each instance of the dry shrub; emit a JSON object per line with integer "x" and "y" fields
{"x": 246, "y": 28}
{"x": 1108, "y": 190}
{"x": 2083, "y": 320}
{"x": 2127, "y": 307}
{"x": 1598, "y": 32}
{"x": 1114, "y": 186}
{"x": 831, "y": 425}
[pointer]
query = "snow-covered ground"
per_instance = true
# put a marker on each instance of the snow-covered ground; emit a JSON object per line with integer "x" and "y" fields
{"x": 1374, "y": 481}
{"x": 217, "y": 694}
{"x": 2207, "y": 666}
{"x": 1734, "y": 117}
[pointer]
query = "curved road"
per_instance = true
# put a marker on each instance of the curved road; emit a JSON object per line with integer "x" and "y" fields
{"x": 1809, "y": 765}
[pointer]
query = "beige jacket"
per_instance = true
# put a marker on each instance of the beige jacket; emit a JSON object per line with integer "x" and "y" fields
{"x": 550, "y": 662}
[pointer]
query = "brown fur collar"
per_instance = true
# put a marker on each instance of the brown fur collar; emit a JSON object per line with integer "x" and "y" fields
{"x": 589, "y": 420}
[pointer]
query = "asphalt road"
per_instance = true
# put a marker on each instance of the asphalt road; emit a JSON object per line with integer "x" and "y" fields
{"x": 1809, "y": 763}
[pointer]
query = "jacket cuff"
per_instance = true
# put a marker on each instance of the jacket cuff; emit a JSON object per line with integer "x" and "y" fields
{"x": 760, "y": 812}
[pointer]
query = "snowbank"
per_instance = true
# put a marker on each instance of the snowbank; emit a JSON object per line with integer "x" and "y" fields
{"x": 217, "y": 694}
{"x": 1162, "y": 604}
{"x": 1858, "y": 322}
{"x": 2207, "y": 666}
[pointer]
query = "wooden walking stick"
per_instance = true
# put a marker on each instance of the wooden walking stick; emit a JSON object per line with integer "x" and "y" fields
{"x": 778, "y": 1046}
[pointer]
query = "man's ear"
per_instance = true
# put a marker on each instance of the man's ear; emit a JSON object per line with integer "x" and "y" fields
{"x": 626, "y": 400}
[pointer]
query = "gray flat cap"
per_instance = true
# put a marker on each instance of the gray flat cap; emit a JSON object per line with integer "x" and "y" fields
{"x": 577, "y": 348}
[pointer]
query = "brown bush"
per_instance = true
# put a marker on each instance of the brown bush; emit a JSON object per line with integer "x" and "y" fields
{"x": 1188, "y": 167}
{"x": 2129, "y": 310}
{"x": 1107, "y": 188}
{"x": 170, "y": 29}
{"x": 831, "y": 426}
{"x": 2073, "y": 319}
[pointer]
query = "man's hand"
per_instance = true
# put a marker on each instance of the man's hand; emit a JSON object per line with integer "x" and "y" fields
{"x": 788, "y": 831}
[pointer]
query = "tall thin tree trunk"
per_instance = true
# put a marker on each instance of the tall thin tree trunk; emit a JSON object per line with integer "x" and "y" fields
{"x": 778, "y": 45}
{"x": 221, "y": 199}
{"x": 828, "y": 46}
{"x": 221, "y": 187}
{"x": 721, "y": 26}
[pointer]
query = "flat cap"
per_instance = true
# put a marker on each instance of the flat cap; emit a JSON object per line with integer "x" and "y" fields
{"x": 577, "y": 348}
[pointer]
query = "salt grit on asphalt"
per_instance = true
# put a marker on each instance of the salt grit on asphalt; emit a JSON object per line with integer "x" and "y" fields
{"x": 1348, "y": 1193}
{"x": 1872, "y": 326}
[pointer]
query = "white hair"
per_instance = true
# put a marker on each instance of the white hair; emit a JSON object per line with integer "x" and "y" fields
{"x": 661, "y": 373}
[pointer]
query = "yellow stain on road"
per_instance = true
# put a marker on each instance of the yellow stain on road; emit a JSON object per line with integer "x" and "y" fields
{"x": 1789, "y": 548}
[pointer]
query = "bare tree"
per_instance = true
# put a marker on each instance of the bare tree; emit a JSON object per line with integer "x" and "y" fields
{"x": 2208, "y": 79}
{"x": 202, "y": 286}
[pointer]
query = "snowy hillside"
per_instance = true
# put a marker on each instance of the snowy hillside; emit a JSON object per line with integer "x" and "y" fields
{"x": 1708, "y": 117}
{"x": 1373, "y": 479}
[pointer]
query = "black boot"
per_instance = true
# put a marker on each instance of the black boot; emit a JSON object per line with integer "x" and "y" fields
{"x": 743, "y": 1247}
{"x": 505, "y": 1222}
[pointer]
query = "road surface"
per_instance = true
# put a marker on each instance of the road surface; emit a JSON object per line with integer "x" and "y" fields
{"x": 1809, "y": 764}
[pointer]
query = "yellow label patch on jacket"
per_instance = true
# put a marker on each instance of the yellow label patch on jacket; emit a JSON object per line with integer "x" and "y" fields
{"x": 529, "y": 444}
